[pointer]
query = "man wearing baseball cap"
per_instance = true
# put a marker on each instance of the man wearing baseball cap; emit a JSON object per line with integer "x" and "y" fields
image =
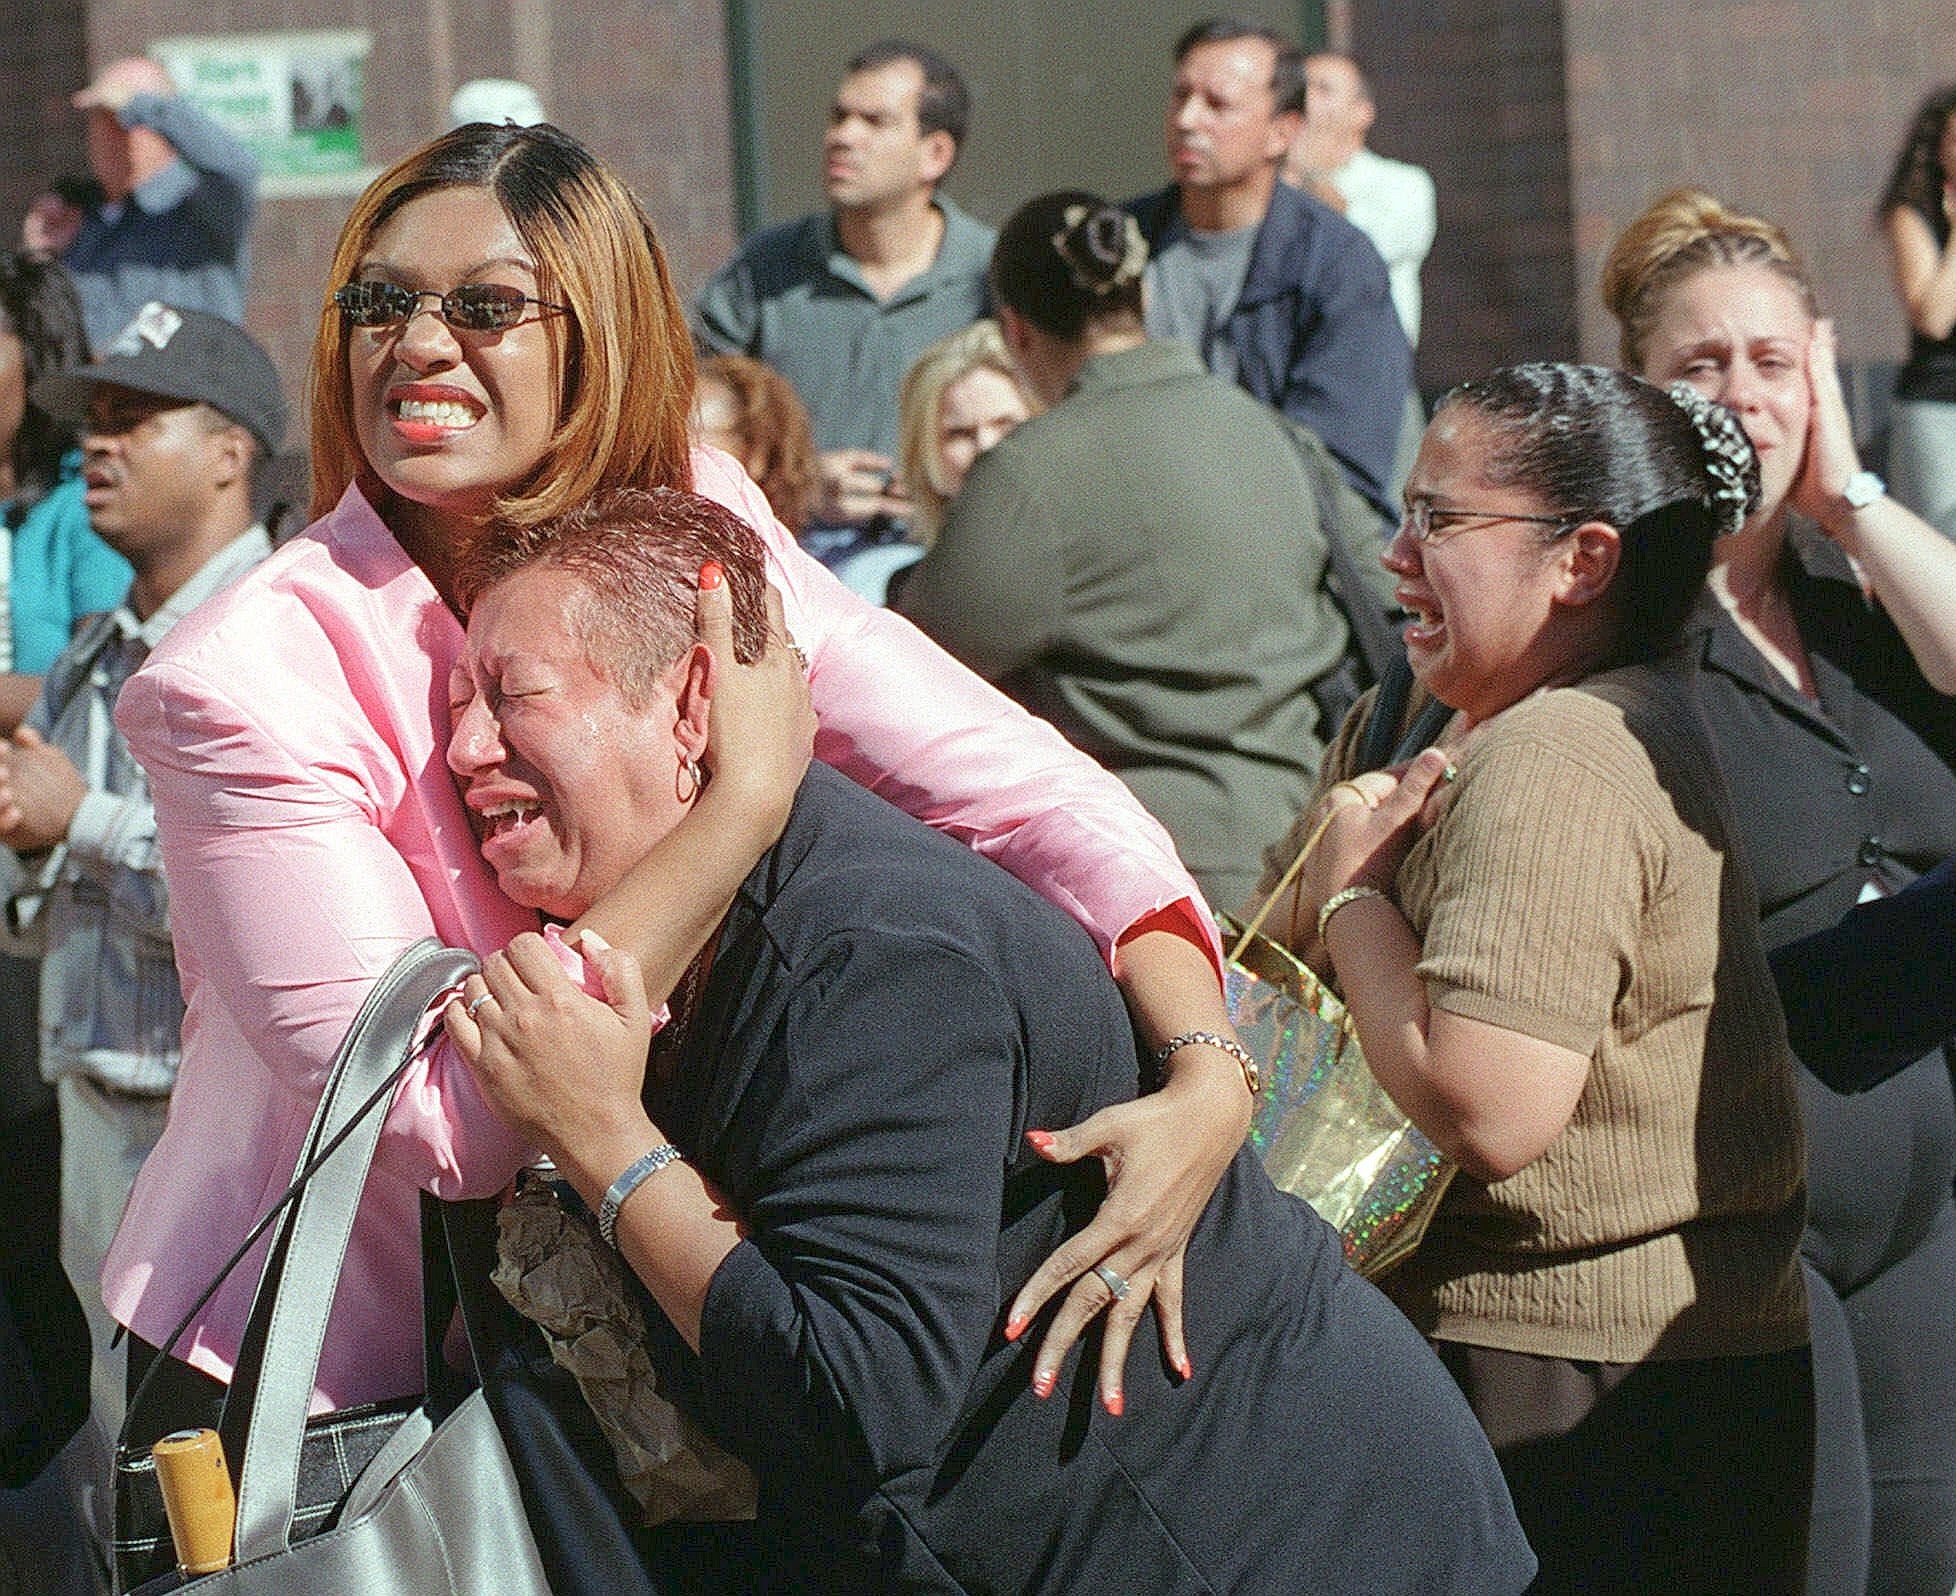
{"x": 180, "y": 409}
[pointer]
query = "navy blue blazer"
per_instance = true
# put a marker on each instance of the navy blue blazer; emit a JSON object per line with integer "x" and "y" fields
{"x": 1314, "y": 332}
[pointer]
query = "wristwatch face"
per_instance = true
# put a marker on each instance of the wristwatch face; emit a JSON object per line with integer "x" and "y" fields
{"x": 1862, "y": 489}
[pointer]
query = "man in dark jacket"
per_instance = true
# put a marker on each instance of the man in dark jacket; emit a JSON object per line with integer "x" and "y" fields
{"x": 1276, "y": 290}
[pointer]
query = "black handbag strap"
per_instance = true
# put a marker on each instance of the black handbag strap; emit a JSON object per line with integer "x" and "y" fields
{"x": 1380, "y": 744}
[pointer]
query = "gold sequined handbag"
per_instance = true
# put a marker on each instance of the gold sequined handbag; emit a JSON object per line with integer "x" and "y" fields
{"x": 1326, "y": 1129}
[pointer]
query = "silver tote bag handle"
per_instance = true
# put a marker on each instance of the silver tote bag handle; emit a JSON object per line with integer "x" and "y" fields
{"x": 302, "y": 1270}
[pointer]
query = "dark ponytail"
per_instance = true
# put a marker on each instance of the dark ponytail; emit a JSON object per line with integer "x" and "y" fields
{"x": 1067, "y": 259}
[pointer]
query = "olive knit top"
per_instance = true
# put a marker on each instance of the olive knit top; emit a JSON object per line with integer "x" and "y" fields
{"x": 1581, "y": 885}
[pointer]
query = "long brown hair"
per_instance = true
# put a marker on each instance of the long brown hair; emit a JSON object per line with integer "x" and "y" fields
{"x": 1918, "y": 175}
{"x": 627, "y": 385}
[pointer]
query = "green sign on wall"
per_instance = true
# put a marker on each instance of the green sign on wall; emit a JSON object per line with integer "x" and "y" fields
{"x": 295, "y": 98}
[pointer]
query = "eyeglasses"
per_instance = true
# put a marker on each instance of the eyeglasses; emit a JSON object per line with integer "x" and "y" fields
{"x": 474, "y": 307}
{"x": 1420, "y": 516}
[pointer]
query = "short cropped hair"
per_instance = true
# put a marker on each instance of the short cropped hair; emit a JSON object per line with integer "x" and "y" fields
{"x": 637, "y": 554}
{"x": 944, "y": 105}
{"x": 1286, "y": 70}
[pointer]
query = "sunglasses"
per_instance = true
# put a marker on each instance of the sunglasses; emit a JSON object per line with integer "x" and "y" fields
{"x": 474, "y": 307}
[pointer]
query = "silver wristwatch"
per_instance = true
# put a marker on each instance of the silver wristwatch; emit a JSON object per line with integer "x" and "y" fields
{"x": 642, "y": 1169}
{"x": 1862, "y": 489}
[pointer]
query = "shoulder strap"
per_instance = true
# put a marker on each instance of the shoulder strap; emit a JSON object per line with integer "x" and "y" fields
{"x": 1381, "y": 744}
{"x": 278, "y": 1364}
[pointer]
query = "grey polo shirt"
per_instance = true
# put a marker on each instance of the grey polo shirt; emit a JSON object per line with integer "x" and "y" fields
{"x": 791, "y": 296}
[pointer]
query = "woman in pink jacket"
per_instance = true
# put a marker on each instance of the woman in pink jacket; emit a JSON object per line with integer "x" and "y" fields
{"x": 504, "y": 341}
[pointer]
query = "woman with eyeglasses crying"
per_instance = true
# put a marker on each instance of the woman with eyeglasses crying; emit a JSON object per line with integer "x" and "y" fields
{"x": 1549, "y": 944}
{"x": 500, "y": 341}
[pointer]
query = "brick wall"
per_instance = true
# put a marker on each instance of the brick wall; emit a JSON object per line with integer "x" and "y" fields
{"x": 642, "y": 81}
{"x": 1791, "y": 109}
{"x": 1474, "y": 93}
{"x": 1546, "y": 124}
{"x": 42, "y": 49}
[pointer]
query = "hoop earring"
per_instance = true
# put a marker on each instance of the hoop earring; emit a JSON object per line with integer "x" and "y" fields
{"x": 691, "y": 771}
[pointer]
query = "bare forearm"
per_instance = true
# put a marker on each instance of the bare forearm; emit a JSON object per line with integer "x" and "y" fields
{"x": 1490, "y": 1098}
{"x": 669, "y": 902}
{"x": 1378, "y": 977}
{"x": 673, "y": 1231}
{"x": 1925, "y": 273}
{"x": 1170, "y": 989}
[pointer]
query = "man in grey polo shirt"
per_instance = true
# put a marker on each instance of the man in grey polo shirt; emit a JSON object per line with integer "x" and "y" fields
{"x": 841, "y": 303}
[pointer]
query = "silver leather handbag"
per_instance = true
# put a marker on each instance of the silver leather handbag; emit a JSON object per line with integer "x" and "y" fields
{"x": 436, "y": 1510}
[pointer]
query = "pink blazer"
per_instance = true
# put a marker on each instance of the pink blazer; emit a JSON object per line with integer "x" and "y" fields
{"x": 293, "y": 729}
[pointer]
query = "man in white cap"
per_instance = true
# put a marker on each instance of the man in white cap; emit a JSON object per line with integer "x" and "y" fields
{"x": 495, "y": 100}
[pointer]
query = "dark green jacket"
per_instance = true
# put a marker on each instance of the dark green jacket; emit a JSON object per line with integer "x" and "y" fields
{"x": 1141, "y": 565}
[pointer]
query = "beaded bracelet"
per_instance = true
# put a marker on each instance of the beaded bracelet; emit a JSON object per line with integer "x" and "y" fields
{"x": 1252, "y": 1073}
{"x": 637, "y": 1173}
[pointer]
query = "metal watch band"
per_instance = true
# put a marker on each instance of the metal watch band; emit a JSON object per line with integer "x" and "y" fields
{"x": 637, "y": 1173}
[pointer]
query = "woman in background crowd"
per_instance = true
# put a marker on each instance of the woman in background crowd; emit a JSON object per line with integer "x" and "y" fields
{"x": 1917, "y": 210}
{"x": 1825, "y": 650}
{"x": 1140, "y": 564}
{"x": 1558, "y": 977}
{"x": 961, "y": 397}
{"x": 749, "y": 409}
{"x": 450, "y": 395}
{"x": 57, "y": 569}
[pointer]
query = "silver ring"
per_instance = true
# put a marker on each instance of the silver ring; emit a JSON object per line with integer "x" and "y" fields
{"x": 470, "y": 1011}
{"x": 1112, "y": 1281}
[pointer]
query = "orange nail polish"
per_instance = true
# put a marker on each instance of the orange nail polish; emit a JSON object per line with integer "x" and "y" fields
{"x": 1042, "y": 1141}
{"x": 1015, "y": 1327}
{"x": 1184, "y": 1368}
{"x": 1115, "y": 1403}
{"x": 710, "y": 576}
{"x": 1042, "y": 1383}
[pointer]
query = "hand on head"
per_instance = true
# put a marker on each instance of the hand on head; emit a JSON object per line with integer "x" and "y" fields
{"x": 1831, "y": 457}
{"x": 120, "y": 82}
{"x": 761, "y": 728}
